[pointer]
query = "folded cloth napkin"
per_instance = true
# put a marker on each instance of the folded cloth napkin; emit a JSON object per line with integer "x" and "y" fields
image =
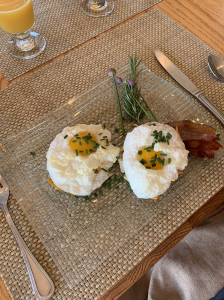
{"x": 219, "y": 295}
{"x": 193, "y": 269}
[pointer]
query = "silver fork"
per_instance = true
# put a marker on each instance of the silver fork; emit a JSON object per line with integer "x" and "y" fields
{"x": 42, "y": 285}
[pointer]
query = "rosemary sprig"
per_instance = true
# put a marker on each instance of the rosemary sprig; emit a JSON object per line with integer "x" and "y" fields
{"x": 133, "y": 102}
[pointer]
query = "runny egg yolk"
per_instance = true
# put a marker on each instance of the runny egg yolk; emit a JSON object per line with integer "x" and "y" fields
{"x": 83, "y": 143}
{"x": 150, "y": 158}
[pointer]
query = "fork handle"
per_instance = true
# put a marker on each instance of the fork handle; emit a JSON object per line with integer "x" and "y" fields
{"x": 42, "y": 285}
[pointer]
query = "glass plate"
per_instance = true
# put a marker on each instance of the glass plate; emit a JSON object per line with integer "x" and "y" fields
{"x": 79, "y": 234}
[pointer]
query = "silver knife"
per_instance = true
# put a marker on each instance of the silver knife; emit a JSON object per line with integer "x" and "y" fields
{"x": 186, "y": 83}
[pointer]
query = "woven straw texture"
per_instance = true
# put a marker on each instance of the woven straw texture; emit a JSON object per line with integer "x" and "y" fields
{"x": 53, "y": 86}
{"x": 64, "y": 26}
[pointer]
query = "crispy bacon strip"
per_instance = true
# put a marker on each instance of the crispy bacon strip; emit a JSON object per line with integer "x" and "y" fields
{"x": 203, "y": 148}
{"x": 190, "y": 135}
{"x": 190, "y": 126}
{"x": 199, "y": 139}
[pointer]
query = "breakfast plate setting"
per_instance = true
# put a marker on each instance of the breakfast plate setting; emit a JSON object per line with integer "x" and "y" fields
{"x": 87, "y": 219}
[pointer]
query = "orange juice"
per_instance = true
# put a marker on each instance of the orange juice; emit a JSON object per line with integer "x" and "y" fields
{"x": 16, "y": 16}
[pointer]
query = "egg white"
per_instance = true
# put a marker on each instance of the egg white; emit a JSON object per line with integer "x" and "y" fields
{"x": 148, "y": 183}
{"x": 75, "y": 174}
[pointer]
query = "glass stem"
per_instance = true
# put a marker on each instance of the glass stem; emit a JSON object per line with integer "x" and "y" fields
{"x": 24, "y": 41}
{"x": 96, "y": 4}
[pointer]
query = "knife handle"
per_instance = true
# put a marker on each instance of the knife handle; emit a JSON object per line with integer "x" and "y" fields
{"x": 210, "y": 106}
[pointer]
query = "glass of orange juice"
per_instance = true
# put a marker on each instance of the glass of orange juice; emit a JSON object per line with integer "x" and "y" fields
{"x": 17, "y": 18}
{"x": 97, "y": 8}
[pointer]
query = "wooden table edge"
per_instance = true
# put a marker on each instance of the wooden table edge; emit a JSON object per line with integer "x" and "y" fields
{"x": 149, "y": 261}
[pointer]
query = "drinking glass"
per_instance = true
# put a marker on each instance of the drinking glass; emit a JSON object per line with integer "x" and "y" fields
{"x": 97, "y": 8}
{"x": 17, "y": 18}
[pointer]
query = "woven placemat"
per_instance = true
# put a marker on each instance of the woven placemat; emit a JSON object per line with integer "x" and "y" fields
{"x": 36, "y": 94}
{"x": 64, "y": 26}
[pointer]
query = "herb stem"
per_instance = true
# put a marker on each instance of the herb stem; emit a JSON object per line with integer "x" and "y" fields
{"x": 146, "y": 104}
{"x": 143, "y": 110}
{"x": 119, "y": 106}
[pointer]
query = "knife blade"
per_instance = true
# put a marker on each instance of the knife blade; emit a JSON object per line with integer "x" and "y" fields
{"x": 186, "y": 83}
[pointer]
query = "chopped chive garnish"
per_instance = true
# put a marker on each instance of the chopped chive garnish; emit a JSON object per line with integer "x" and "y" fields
{"x": 169, "y": 160}
{"x": 104, "y": 126}
{"x": 96, "y": 145}
{"x": 81, "y": 151}
{"x": 153, "y": 165}
{"x": 76, "y": 197}
{"x": 218, "y": 134}
{"x": 104, "y": 170}
{"x": 112, "y": 125}
{"x": 115, "y": 177}
{"x": 139, "y": 152}
{"x": 108, "y": 145}
{"x": 116, "y": 130}
{"x": 77, "y": 134}
{"x": 159, "y": 160}
{"x": 74, "y": 141}
{"x": 121, "y": 179}
{"x": 117, "y": 187}
{"x": 143, "y": 162}
{"x": 86, "y": 197}
{"x": 105, "y": 137}
{"x": 114, "y": 144}
{"x": 76, "y": 152}
{"x": 167, "y": 142}
{"x": 100, "y": 192}
{"x": 104, "y": 184}
{"x": 78, "y": 138}
{"x": 163, "y": 162}
{"x": 129, "y": 184}
{"x": 100, "y": 133}
{"x": 117, "y": 157}
{"x": 147, "y": 167}
{"x": 90, "y": 150}
{"x": 65, "y": 136}
{"x": 86, "y": 151}
{"x": 163, "y": 154}
{"x": 153, "y": 124}
{"x": 86, "y": 141}
{"x": 168, "y": 136}
{"x": 80, "y": 143}
{"x": 32, "y": 153}
{"x": 103, "y": 147}
{"x": 95, "y": 194}
{"x": 102, "y": 139}
{"x": 108, "y": 184}
{"x": 96, "y": 123}
{"x": 153, "y": 144}
{"x": 148, "y": 150}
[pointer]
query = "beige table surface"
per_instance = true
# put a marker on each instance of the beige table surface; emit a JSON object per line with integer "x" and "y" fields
{"x": 205, "y": 19}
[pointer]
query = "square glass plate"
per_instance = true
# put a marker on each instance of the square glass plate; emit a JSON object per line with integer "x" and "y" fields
{"x": 80, "y": 235}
